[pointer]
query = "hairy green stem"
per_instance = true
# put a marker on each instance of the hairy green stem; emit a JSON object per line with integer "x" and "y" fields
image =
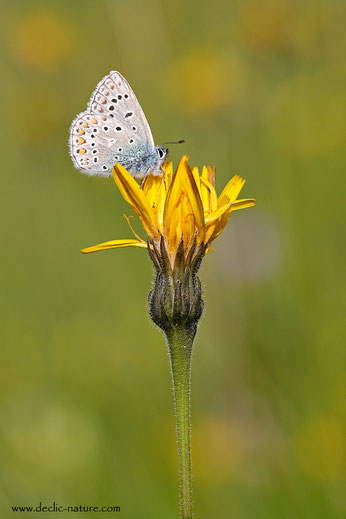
{"x": 180, "y": 343}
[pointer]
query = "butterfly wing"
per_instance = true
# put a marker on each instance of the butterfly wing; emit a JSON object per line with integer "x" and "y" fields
{"x": 113, "y": 129}
{"x": 115, "y": 98}
{"x": 92, "y": 142}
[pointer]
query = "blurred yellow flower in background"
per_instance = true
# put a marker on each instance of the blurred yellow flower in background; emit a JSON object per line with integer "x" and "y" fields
{"x": 43, "y": 39}
{"x": 220, "y": 451}
{"x": 306, "y": 29}
{"x": 186, "y": 208}
{"x": 204, "y": 82}
{"x": 263, "y": 24}
{"x": 320, "y": 449}
{"x": 317, "y": 30}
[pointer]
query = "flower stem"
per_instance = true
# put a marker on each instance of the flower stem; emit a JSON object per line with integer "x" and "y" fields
{"x": 180, "y": 343}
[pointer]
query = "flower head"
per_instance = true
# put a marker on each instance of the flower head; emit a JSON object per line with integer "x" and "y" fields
{"x": 183, "y": 211}
{"x": 181, "y": 216}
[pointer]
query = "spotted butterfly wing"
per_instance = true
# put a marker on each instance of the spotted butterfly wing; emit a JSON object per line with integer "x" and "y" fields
{"x": 114, "y": 129}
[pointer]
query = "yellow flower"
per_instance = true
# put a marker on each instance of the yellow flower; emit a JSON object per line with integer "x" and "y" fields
{"x": 182, "y": 211}
{"x": 43, "y": 39}
{"x": 181, "y": 215}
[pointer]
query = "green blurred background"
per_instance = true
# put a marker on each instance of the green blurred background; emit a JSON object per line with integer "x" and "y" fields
{"x": 255, "y": 87}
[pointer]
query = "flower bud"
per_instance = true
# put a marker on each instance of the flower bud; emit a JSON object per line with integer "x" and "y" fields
{"x": 176, "y": 298}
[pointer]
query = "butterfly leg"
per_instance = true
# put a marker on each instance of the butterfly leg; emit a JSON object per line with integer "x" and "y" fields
{"x": 143, "y": 180}
{"x": 164, "y": 178}
{"x": 146, "y": 174}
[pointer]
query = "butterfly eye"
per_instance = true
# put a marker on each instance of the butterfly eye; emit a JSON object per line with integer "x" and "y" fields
{"x": 161, "y": 153}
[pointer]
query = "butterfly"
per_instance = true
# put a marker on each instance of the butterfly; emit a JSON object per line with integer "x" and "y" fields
{"x": 114, "y": 129}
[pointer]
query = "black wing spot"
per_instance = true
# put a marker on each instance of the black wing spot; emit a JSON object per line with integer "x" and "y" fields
{"x": 131, "y": 141}
{"x": 95, "y": 159}
{"x": 128, "y": 114}
{"x": 114, "y": 100}
{"x": 111, "y": 108}
{"x": 126, "y": 96}
{"x": 95, "y": 130}
{"x": 105, "y": 128}
{"x": 120, "y": 97}
{"x": 95, "y": 151}
{"x": 134, "y": 128}
{"x": 118, "y": 128}
{"x": 104, "y": 167}
{"x": 120, "y": 149}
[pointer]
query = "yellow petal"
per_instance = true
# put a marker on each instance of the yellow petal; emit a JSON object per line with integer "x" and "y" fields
{"x": 134, "y": 195}
{"x": 115, "y": 244}
{"x": 193, "y": 195}
{"x": 187, "y": 220}
{"x": 155, "y": 191}
{"x": 216, "y": 225}
{"x": 205, "y": 192}
{"x": 183, "y": 184}
{"x": 232, "y": 206}
{"x": 242, "y": 204}
{"x": 211, "y": 175}
{"x": 212, "y": 201}
{"x": 151, "y": 186}
{"x": 195, "y": 173}
{"x": 231, "y": 190}
{"x": 170, "y": 213}
{"x": 168, "y": 173}
{"x": 215, "y": 215}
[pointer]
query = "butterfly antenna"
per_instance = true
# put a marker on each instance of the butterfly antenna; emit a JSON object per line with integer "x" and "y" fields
{"x": 173, "y": 142}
